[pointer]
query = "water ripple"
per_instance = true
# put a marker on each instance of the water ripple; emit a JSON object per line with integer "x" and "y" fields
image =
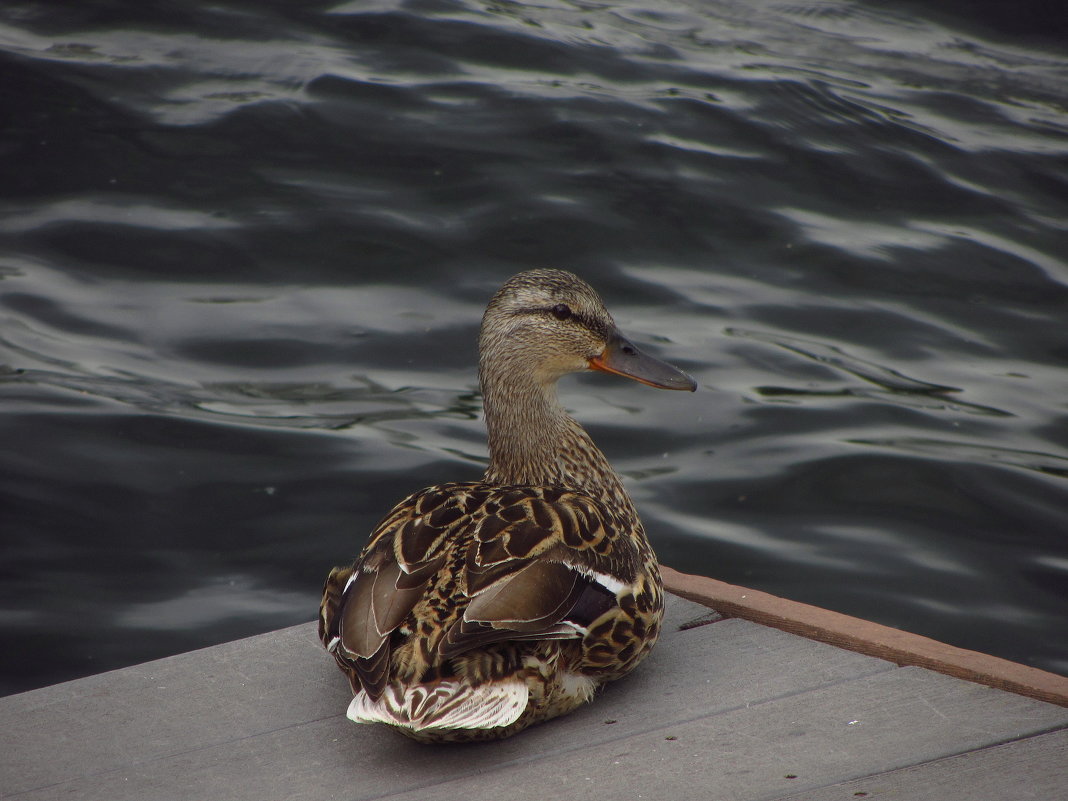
{"x": 244, "y": 250}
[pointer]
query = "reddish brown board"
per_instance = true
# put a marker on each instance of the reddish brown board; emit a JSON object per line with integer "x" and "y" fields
{"x": 863, "y": 636}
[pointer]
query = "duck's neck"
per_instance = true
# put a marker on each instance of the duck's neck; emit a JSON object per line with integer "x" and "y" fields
{"x": 532, "y": 440}
{"x": 527, "y": 429}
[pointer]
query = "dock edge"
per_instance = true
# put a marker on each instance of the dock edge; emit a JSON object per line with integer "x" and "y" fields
{"x": 866, "y": 637}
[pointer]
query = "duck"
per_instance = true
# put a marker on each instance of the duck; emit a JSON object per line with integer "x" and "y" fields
{"x": 479, "y": 608}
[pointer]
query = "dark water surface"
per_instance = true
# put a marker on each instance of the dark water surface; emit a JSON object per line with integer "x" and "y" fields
{"x": 244, "y": 250}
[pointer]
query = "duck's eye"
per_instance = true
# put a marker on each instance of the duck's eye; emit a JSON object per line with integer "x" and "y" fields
{"x": 561, "y": 311}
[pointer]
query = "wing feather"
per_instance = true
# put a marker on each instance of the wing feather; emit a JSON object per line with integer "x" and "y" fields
{"x": 537, "y": 595}
{"x": 469, "y": 565}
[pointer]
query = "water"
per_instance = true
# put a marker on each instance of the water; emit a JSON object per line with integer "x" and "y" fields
{"x": 244, "y": 250}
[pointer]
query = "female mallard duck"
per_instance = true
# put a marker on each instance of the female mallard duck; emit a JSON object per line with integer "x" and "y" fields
{"x": 479, "y": 608}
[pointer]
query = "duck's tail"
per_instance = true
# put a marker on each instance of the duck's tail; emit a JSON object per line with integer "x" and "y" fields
{"x": 444, "y": 704}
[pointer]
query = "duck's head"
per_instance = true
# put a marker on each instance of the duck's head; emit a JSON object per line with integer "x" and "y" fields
{"x": 547, "y": 323}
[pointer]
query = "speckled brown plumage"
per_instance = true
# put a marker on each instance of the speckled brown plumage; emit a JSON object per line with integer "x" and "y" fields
{"x": 479, "y": 608}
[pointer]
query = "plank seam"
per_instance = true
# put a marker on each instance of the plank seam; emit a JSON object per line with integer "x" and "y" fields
{"x": 800, "y": 794}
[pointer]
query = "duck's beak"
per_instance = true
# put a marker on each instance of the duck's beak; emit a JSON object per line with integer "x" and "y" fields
{"x": 620, "y": 356}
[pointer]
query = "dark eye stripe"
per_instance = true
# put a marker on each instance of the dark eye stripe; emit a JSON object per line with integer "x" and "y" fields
{"x": 590, "y": 324}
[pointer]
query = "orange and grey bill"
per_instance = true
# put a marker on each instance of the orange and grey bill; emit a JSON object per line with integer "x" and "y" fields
{"x": 622, "y": 357}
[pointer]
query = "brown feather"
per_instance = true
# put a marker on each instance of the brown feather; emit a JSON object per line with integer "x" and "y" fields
{"x": 535, "y": 596}
{"x": 540, "y": 575}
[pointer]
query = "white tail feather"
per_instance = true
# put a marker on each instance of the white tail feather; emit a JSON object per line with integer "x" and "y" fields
{"x": 443, "y": 705}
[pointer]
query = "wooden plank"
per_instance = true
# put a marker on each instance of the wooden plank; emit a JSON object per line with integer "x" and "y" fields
{"x": 741, "y": 754}
{"x": 1033, "y": 768}
{"x": 168, "y": 706}
{"x": 873, "y": 639}
{"x": 725, "y": 710}
{"x": 269, "y": 711}
{"x": 858, "y": 728}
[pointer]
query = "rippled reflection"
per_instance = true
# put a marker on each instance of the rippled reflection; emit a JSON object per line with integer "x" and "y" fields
{"x": 244, "y": 251}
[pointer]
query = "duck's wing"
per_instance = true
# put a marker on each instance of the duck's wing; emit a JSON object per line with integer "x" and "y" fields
{"x": 365, "y": 604}
{"x": 544, "y": 564}
{"x": 462, "y": 566}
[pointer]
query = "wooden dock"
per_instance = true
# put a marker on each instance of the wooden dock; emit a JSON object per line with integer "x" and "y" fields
{"x": 724, "y": 709}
